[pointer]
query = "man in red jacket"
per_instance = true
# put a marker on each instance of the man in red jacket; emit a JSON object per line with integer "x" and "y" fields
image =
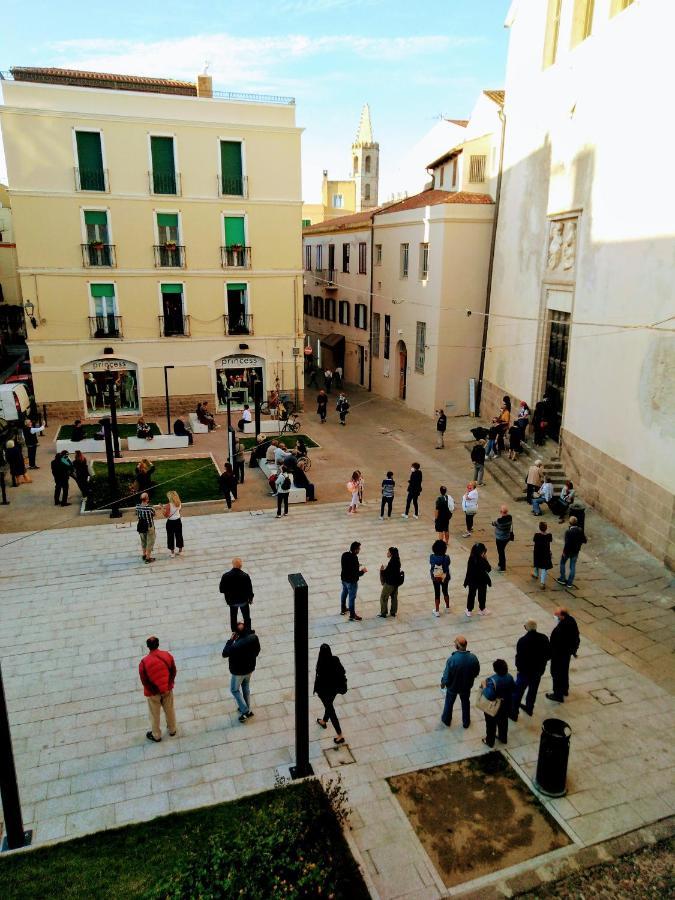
{"x": 158, "y": 673}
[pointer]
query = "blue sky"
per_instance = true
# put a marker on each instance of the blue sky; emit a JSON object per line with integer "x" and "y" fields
{"x": 412, "y": 61}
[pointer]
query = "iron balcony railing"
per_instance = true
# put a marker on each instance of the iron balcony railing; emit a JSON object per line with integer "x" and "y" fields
{"x": 233, "y": 186}
{"x": 236, "y": 257}
{"x": 91, "y": 180}
{"x": 240, "y": 324}
{"x": 319, "y": 276}
{"x": 164, "y": 183}
{"x": 174, "y": 326}
{"x": 169, "y": 256}
{"x": 331, "y": 279}
{"x": 105, "y": 326}
{"x": 98, "y": 254}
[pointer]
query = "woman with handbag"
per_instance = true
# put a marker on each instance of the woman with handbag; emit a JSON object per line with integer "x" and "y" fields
{"x": 329, "y": 681}
{"x": 391, "y": 577}
{"x": 445, "y": 506}
{"x": 470, "y": 506}
{"x": 495, "y": 701}
{"x": 477, "y": 579}
{"x": 439, "y": 568}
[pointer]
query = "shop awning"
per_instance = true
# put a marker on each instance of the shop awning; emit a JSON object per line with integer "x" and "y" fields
{"x": 333, "y": 341}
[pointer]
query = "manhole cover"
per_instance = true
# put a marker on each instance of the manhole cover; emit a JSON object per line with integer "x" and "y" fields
{"x": 338, "y": 756}
{"x": 605, "y": 696}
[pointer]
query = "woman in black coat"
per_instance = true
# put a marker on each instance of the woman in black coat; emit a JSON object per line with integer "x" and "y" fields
{"x": 330, "y": 680}
{"x": 541, "y": 557}
{"x": 477, "y": 579}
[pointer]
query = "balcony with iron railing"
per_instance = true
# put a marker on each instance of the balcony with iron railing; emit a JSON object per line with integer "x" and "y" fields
{"x": 239, "y": 324}
{"x": 105, "y": 326}
{"x": 169, "y": 256}
{"x": 236, "y": 257}
{"x": 168, "y": 184}
{"x": 319, "y": 276}
{"x": 331, "y": 279}
{"x": 235, "y": 186}
{"x": 174, "y": 326}
{"x": 91, "y": 180}
{"x": 98, "y": 254}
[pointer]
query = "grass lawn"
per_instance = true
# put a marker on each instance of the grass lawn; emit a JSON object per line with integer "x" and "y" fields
{"x": 193, "y": 479}
{"x": 289, "y": 439}
{"x": 124, "y": 431}
{"x": 282, "y": 843}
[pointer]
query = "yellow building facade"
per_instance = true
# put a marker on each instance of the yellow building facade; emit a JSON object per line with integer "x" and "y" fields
{"x": 157, "y": 224}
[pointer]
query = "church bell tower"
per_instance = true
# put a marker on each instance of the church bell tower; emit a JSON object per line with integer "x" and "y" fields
{"x": 366, "y": 163}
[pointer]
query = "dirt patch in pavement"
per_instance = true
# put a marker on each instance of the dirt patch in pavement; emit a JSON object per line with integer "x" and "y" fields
{"x": 475, "y": 816}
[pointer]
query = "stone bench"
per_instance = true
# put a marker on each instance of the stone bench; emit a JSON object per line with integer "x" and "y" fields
{"x": 267, "y": 426}
{"x": 196, "y": 425}
{"x": 296, "y": 494}
{"x": 89, "y": 445}
{"x": 158, "y": 442}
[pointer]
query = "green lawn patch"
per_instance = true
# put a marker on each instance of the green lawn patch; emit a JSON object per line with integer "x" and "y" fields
{"x": 91, "y": 429}
{"x": 194, "y": 479}
{"x": 288, "y": 438}
{"x": 282, "y": 843}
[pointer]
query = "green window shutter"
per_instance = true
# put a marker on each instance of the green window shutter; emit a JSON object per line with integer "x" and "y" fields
{"x": 234, "y": 231}
{"x": 169, "y": 220}
{"x": 90, "y": 160}
{"x": 163, "y": 170}
{"x": 172, "y": 288}
{"x": 102, "y": 290}
{"x": 236, "y": 287}
{"x": 95, "y": 217}
{"x": 230, "y": 168}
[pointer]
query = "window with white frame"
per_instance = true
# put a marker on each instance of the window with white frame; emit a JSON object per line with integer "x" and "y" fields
{"x": 378, "y": 254}
{"x": 405, "y": 254}
{"x": 319, "y": 257}
{"x": 361, "y": 316}
{"x": 308, "y": 257}
{"x": 363, "y": 252}
{"x": 424, "y": 261}
{"x": 420, "y": 341}
{"x": 329, "y": 309}
{"x": 346, "y": 252}
{"x": 343, "y": 312}
{"x": 375, "y": 342}
{"x": 338, "y": 201}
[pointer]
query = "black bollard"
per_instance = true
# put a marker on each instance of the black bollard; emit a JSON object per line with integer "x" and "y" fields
{"x": 15, "y": 836}
{"x": 302, "y": 768}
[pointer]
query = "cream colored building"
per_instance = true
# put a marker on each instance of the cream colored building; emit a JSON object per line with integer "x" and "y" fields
{"x": 157, "y": 224}
{"x": 12, "y": 320}
{"x": 583, "y": 295}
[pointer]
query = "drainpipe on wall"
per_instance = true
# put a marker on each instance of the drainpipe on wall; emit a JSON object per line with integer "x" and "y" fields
{"x": 370, "y": 338}
{"x": 488, "y": 294}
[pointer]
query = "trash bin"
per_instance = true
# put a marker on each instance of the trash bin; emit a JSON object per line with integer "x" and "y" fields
{"x": 579, "y": 510}
{"x": 554, "y": 751}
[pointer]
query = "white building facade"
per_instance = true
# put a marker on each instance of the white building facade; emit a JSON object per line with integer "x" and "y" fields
{"x": 583, "y": 295}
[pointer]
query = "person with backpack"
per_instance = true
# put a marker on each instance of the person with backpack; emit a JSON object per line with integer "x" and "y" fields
{"x": 439, "y": 569}
{"x": 445, "y": 506}
{"x": 499, "y": 686}
{"x": 414, "y": 490}
{"x": 342, "y": 407}
{"x": 241, "y": 652}
{"x": 503, "y": 527}
{"x": 283, "y": 486}
{"x": 388, "y": 486}
{"x": 574, "y": 541}
{"x": 477, "y": 579}
{"x": 330, "y": 680}
{"x": 441, "y": 426}
{"x": 391, "y": 577}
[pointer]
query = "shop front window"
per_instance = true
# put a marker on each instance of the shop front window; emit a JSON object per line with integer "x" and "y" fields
{"x": 96, "y": 376}
{"x": 239, "y": 374}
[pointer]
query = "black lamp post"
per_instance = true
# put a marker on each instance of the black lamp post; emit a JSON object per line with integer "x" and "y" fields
{"x": 302, "y": 766}
{"x": 110, "y": 382}
{"x": 166, "y": 394}
{"x": 230, "y": 441}
{"x": 15, "y": 836}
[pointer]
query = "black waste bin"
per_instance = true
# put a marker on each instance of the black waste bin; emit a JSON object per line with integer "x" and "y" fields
{"x": 554, "y": 751}
{"x": 579, "y": 511}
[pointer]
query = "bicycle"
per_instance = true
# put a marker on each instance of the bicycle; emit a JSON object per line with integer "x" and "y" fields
{"x": 291, "y": 424}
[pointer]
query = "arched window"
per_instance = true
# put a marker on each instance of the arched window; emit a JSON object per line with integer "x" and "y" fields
{"x": 367, "y": 164}
{"x": 356, "y": 165}
{"x": 367, "y": 192}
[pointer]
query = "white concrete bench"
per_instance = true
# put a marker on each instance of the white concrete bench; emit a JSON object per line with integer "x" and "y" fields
{"x": 87, "y": 446}
{"x": 158, "y": 442}
{"x": 196, "y": 425}
{"x": 267, "y": 426}
{"x": 296, "y": 494}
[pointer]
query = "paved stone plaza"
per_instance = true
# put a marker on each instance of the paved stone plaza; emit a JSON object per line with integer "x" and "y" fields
{"x": 79, "y": 603}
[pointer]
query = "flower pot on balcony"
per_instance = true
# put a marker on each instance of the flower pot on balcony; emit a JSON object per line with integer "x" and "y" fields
{"x": 170, "y": 245}
{"x": 96, "y": 245}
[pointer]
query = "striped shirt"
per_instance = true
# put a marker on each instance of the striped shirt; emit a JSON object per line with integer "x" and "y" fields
{"x": 147, "y": 513}
{"x": 388, "y": 486}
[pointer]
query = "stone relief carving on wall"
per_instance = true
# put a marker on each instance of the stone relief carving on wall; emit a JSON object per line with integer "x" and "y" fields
{"x": 562, "y": 246}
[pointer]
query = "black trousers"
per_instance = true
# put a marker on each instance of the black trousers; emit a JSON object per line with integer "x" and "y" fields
{"x": 525, "y": 681}
{"x": 560, "y": 673}
{"x": 329, "y": 714}
{"x": 497, "y": 726}
{"x": 246, "y": 613}
{"x": 239, "y": 471}
{"x": 61, "y": 492}
{"x": 229, "y": 497}
{"x": 501, "y": 554}
{"x": 32, "y": 451}
{"x": 388, "y": 502}
{"x": 282, "y": 500}
{"x": 174, "y": 534}
{"x": 481, "y": 590}
{"x": 441, "y": 586}
{"x": 412, "y": 498}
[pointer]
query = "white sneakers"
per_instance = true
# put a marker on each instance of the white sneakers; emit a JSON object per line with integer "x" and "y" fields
{"x": 436, "y": 613}
{"x": 404, "y": 515}
{"x": 468, "y": 613}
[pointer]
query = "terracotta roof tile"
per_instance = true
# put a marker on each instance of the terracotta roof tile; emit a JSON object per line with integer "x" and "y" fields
{"x": 341, "y": 223}
{"x": 496, "y": 96}
{"x": 435, "y": 198}
{"x": 103, "y": 79}
{"x": 461, "y": 122}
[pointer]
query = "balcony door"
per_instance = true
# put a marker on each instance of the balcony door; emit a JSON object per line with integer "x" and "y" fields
{"x": 237, "y": 309}
{"x": 104, "y": 307}
{"x": 172, "y": 310}
{"x": 98, "y": 238}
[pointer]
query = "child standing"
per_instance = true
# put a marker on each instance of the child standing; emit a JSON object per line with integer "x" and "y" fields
{"x": 353, "y": 488}
{"x": 388, "y": 485}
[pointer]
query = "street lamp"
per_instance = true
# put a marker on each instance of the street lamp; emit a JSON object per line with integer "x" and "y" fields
{"x": 166, "y": 394}
{"x": 110, "y": 382}
{"x": 29, "y": 308}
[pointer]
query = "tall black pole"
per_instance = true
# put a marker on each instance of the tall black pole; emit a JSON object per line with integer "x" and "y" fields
{"x": 166, "y": 395}
{"x": 113, "y": 415}
{"x": 257, "y": 400}
{"x": 302, "y": 767}
{"x": 230, "y": 442}
{"x": 112, "y": 474}
{"x": 15, "y": 836}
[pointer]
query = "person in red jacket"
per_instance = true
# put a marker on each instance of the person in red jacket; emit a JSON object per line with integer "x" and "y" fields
{"x": 158, "y": 673}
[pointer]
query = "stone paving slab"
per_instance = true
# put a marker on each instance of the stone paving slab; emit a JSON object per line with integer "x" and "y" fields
{"x": 77, "y": 606}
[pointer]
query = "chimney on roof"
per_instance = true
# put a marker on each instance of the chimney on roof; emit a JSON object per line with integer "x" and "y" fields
{"x": 204, "y": 86}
